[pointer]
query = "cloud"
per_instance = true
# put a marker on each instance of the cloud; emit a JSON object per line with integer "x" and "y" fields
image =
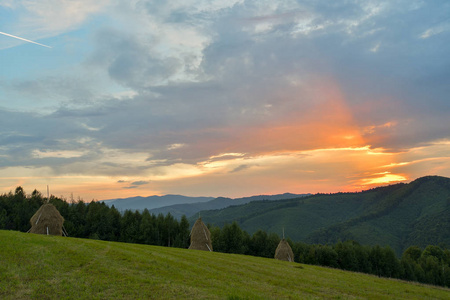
{"x": 130, "y": 61}
{"x": 130, "y": 187}
{"x": 45, "y": 94}
{"x": 39, "y": 19}
{"x": 249, "y": 79}
{"x": 141, "y": 182}
{"x": 8, "y": 3}
{"x": 257, "y": 84}
{"x": 134, "y": 184}
{"x": 259, "y": 79}
{"x": 56, "y": 16}
{"x": 240, "y": 168}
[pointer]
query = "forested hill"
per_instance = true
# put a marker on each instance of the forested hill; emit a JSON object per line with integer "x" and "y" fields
{"x": 399, "y": 215}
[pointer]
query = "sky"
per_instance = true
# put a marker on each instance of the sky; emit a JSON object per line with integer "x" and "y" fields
{"x": 222, "y": 98}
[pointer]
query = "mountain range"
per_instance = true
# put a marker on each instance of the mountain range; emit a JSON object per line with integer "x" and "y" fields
{"x": 399, "y": 215}
{"x": 192, "y": 209}
{"x": 151, "y": 202}
{"x": 178, "y": 205}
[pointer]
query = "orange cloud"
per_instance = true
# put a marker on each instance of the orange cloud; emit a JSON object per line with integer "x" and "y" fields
{"x": 322, "y": 120}
{"x": 314, "y": 145}
{"x": 381, "y": 179}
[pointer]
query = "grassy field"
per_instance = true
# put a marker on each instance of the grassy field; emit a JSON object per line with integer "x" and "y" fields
{"x": 47, "y": 267}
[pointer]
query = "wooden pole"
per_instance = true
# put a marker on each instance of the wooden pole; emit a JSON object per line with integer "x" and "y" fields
{"x": 39, "y": 217}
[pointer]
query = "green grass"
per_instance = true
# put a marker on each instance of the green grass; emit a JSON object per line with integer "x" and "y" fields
{"x": 46, "y": 267}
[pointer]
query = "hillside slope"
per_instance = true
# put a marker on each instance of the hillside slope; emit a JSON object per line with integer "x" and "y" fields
{"x": 405, "y": 217}
{"x": 47, "y": 267}
{"x": 399, "y": 215}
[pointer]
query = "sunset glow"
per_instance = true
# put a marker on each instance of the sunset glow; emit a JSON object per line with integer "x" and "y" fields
{"x": 221, "y": 98}
{"x": 383, "y": 178}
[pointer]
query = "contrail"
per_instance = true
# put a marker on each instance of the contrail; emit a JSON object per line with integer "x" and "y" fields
{"x": 24, "y": 39}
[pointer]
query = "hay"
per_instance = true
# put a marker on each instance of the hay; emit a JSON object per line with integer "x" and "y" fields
{"x": 284, "y": 251}
{"x": 200, "y": 237}
{"x": 47, "y": 220}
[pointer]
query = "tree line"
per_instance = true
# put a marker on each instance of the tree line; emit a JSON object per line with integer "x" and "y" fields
{"x": 430, "y": 265}
{"x": 96, "y": 220}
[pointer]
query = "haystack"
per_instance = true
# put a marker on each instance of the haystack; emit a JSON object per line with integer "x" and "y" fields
{"x": 47, "y": 220}
{"x": 284, "y": 251}
{"x": 200, "y": 237}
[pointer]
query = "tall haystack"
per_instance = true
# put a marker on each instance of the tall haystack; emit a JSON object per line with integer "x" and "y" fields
{"x": 47, "y": 220}
{"x": 284, "y": 251}
{"x": 200, "y": 237}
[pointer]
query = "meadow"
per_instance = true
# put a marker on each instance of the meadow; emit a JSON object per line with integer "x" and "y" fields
{"x": 49, "y": 267}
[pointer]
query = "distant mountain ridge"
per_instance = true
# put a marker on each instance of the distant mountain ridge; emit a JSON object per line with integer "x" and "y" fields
{"x": 399, "y": 215}
{"x": 179, "y": 205}
{"x": 189, "y": 209}
{"x": 151, "y": 202}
